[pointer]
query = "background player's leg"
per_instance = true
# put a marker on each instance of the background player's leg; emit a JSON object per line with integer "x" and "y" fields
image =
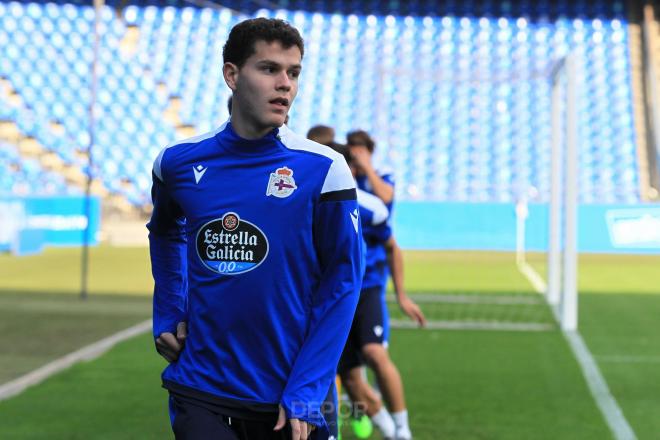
{"x": 369, "y": 333}
{"x": 390, "y": 384}
{"x": 365, "y": 400}
{"x": 368, "y": 400}
{"x": 361, "y": 394}
{"x": 387, "y": 376}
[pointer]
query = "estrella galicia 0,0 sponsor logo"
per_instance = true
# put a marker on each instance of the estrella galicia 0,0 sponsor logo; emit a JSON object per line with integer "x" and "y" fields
{"x": 230, "y": 245}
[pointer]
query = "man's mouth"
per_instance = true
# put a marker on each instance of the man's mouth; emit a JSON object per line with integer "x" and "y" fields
{"x": 282, "y": 102}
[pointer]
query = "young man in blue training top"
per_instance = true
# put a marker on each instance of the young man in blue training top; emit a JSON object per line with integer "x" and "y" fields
{"x": 256, "y": 246}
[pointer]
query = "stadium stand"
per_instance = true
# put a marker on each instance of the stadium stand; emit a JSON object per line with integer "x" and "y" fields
{"x": 458, "y": 96}
{"x": 26, "y": 177}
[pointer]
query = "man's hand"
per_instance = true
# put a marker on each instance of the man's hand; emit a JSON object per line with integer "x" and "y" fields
{"x": 362, "y": 161}
{"x": 411, "y": 309}
{"x": 361, "y": 157}
{"x": 169, "y": 346}
{"x": 300, "y": 430}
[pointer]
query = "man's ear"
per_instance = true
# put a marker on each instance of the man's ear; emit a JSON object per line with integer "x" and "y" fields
{"x": 230, "y": 73}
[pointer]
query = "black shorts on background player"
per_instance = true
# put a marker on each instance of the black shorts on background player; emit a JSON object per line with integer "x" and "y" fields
{"x": 367, "y": 328}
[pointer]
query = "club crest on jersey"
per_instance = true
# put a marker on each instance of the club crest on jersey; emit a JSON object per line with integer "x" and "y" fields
{"x": 281, "y": 183}
{"x": 230, "y": 245}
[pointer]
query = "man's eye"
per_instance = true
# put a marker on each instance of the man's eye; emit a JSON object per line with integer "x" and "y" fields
{"x": 269, "y": 69}
{"x": 294, "y": 74}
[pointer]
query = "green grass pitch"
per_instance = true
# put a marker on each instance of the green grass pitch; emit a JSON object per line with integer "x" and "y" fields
{"x": 459, "y": 384}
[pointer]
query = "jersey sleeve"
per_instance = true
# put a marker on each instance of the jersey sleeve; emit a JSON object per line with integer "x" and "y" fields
{"x": 372, "y": 209}
{"x": 167, "y": 249}
{"x": 375, "y": 218}
{"x": 338, "y": 244}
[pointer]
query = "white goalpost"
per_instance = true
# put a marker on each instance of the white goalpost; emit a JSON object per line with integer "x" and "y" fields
{"x": 567, "y": 315}
{"x": 561, "y": 288}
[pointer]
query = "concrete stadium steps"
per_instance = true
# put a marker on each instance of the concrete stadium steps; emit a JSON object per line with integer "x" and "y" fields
{"x": 118, "y": 231}
{"x": 50, "y": 161}
{"x": 639, "y": 109}
{"x": 650, "y": 19}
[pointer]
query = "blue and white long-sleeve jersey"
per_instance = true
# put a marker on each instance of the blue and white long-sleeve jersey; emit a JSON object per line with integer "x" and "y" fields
{"x": 375, "y": 216}
{"x": 257, "y": 245}
{"x": 375, "y": 236}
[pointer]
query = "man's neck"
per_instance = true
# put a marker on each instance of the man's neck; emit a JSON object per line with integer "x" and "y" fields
{"x": 246, "y": 130}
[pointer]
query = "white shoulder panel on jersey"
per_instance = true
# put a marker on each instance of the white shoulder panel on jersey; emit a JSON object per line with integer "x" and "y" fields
{"x": 192, "y": 140}
{"x": 373, "y": 204}
{"x": 339, "y": 176}
{"x": 156, "y": 168}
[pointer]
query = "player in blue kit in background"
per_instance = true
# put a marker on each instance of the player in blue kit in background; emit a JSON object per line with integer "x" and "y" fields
{"x": 370, "y": 326}
{"x": 255, "y": 243}
{"x": 368, "y": 339}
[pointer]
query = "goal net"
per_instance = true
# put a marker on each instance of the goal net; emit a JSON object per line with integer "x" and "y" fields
{"x": 497, "y": 153}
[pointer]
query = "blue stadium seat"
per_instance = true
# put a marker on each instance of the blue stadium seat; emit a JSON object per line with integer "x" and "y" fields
{"x": 456, "y": 93}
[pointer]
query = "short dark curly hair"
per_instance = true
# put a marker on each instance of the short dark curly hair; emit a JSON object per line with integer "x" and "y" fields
{"x": 242, "y": 37}
{"x": 361, "y": 137}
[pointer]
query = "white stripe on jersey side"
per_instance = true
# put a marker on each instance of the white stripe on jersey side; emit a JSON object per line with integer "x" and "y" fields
{"x": 339, "y": 176}
{"x": 373, "y": 204}
{"x": 191, "y": 140}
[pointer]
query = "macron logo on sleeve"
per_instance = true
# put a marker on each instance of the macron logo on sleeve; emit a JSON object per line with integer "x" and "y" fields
{"x": 199, "y": 172}
{"x": 354, "y": 217}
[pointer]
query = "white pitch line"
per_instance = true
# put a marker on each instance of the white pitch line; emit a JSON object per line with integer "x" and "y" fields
{"x": 87, "y": 353}
{"x": 605, "y": 401}
{"x": 476, "y": 325}
{"x": 489, "y": 299}
{"x": 534, "y": 278}
{"x": 599, "y": 389}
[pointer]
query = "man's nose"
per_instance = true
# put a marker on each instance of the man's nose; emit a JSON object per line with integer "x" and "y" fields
{"x": 283, "y": 81}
